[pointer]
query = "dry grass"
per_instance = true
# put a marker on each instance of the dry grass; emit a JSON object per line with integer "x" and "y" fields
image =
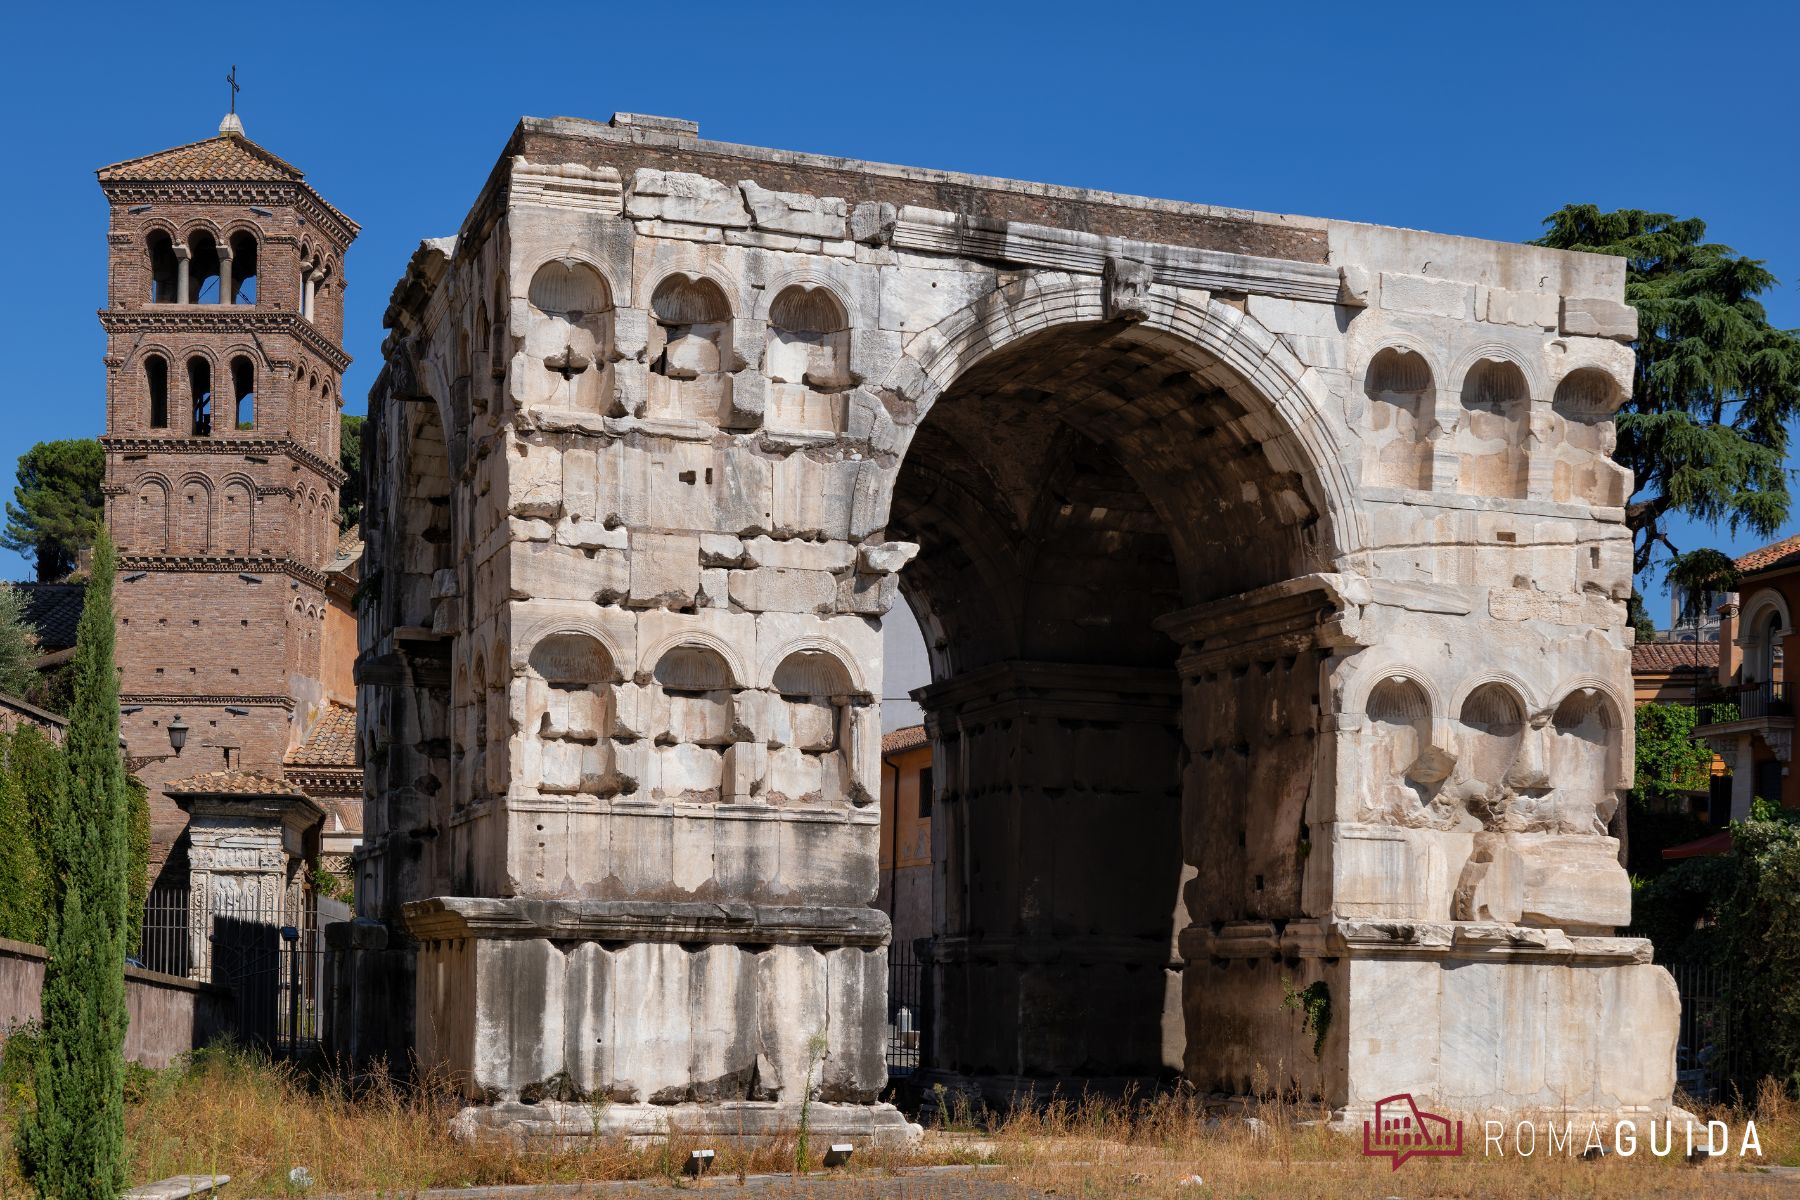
{"x": 234, "y": 1113}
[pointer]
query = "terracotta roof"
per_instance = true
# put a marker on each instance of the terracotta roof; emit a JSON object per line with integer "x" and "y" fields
{"x": 350, "y": 542}
{"x": 1775, "y": 554}
{"x": 222, "y": 158}
{"x": 230, "y": 783}
{"x": 1675, "y": 656}
{"x": 909, "y": 737}
{"x": 331, "y": 742}
{"x": 53, "y": 610}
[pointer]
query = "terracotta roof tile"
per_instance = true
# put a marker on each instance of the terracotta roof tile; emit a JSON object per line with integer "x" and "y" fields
{"x": 230, "y": 783}
{"x": 1773, "y": 555}
{"x": 909, "y": 737}
{"x": 350, "y": 542}
{"x": 1675, "y": 656}
{"x": 331, "y": 742}
{"x": 221, "y": 158}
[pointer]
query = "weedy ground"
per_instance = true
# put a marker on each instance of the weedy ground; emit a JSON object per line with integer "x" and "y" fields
{"x": 229, "y": 1111}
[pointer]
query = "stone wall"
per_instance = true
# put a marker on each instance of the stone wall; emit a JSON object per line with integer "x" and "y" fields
{"x": 1272, "y": 573}
{"x": 169, "y": 1016}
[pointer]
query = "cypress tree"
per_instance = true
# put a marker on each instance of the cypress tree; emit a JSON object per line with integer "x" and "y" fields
{"x": 74, "y": 1141}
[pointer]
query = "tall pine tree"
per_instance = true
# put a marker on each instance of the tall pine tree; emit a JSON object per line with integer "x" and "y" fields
{"x": 74, "y": 1141}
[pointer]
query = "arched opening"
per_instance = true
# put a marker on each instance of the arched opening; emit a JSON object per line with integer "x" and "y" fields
{"x": 156, "y": 385}
{"x": 689, "y": 350}
{"x": 243, "y": 390}
{"x": 164, "y": 269}
{"x": 1405, "y": 770}
{"x": 203, "y": 269}
{"x": 807, "y": 360}
{"x": 199, "y": 372}
{"x": 1121, "y": 754}
{"x": 243, "y": 267}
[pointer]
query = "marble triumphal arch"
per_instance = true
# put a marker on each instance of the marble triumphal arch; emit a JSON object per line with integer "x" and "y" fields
{"x": 1273, "y": 574}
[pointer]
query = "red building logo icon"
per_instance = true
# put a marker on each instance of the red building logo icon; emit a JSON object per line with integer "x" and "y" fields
{"x": 1400, "y": 1131}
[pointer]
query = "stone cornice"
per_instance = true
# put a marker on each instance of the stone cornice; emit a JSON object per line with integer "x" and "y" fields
{"x": 125, "y": 443}
{"x": 1290, "y": 617}
{"x": 1083, "y": 692}
{"x": 455, "y": 917}
{"x": 224, "y": 318}
{"x": 204, "y": 564}
{"x": 1486, "y": 941}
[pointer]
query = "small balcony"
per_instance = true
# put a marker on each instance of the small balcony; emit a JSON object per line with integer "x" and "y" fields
{"x": 1758, "y": 706}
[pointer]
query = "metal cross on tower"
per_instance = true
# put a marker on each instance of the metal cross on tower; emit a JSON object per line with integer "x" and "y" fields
{"x": 232, "y": 80}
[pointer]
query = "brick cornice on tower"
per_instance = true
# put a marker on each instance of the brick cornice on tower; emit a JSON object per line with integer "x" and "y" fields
{"x": 232, "y": 318}
{"x": 128, "y": 444}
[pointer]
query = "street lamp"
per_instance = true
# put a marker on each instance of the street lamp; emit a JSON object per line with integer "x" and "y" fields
{"x": 178, "y": 732}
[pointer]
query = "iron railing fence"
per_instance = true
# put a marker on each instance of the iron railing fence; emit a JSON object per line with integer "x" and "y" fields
{"x": 1710, "y": 1064}
{"x": 270, "y": 956}
{"x": 908, "y": 999}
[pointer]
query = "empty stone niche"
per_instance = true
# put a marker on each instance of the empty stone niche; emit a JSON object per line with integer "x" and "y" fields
{"x": 571, "y": 337}
{"x": 809, "y": 737}
{"x": 1586, "y": 756}
{"x": 1405, "y": 771}
{"x": 807, "y": 361}
{"x": 1402, "y": 414}
{"x": 690, "y": 351}
{"x": 1490, "y": 447}
{"x": 568, "y": 705}
{"x": 694, "y": 722}
{"x": 1583, "y": 439}
{"x": 1493, "y": 739}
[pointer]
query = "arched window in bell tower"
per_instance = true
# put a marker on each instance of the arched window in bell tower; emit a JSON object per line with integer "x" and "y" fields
{"x": 243, "y": 391}
{"x": 163, "y": 270}
{"x": 156, "y": 382}
{"x": 200, "y": 393}
{"x": 243, "y": 267}
{"x": 203, "y": 268}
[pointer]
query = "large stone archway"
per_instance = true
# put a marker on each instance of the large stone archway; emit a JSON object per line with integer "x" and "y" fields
{"x": 1273, "y": 578}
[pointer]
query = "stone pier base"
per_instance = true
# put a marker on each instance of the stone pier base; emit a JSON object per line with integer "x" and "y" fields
{"x": 552, "y": 1123}
{"x": 1472, "y": 1017}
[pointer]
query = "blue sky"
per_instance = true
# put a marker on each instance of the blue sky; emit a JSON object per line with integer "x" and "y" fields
{"x": 1474, "y": 119}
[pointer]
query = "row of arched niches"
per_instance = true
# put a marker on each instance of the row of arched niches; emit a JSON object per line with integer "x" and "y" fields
{"x": 692, "y": 730}
{"x": 1510, "y": 767}
{"x": 690, "y": 349}
{"x": 1476, "y": 439}
{"x": 1480, "y": 440}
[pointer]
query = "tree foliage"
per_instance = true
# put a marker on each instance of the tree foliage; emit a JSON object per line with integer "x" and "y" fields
{"x": 18, "y": 645}
{"x": 74, "y": 1139}
{"x": 1705, "y": 430}
{"x": 56, "y": 509}
{"x": 21, "y": 868}
{"x": 350, "y": 495}
{"x": 1740, "y": 913}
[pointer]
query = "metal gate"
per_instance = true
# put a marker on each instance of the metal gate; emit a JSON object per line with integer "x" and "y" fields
{"x": 908, "y": 997}
{"x": 271, "y": 958}
{"x": 1709, "y": 1065}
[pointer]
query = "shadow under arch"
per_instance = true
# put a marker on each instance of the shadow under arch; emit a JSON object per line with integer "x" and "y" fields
{"x": 1072, "y": 480}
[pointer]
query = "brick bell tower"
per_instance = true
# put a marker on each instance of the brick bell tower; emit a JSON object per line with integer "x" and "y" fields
{"x": 224, "y": 372}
